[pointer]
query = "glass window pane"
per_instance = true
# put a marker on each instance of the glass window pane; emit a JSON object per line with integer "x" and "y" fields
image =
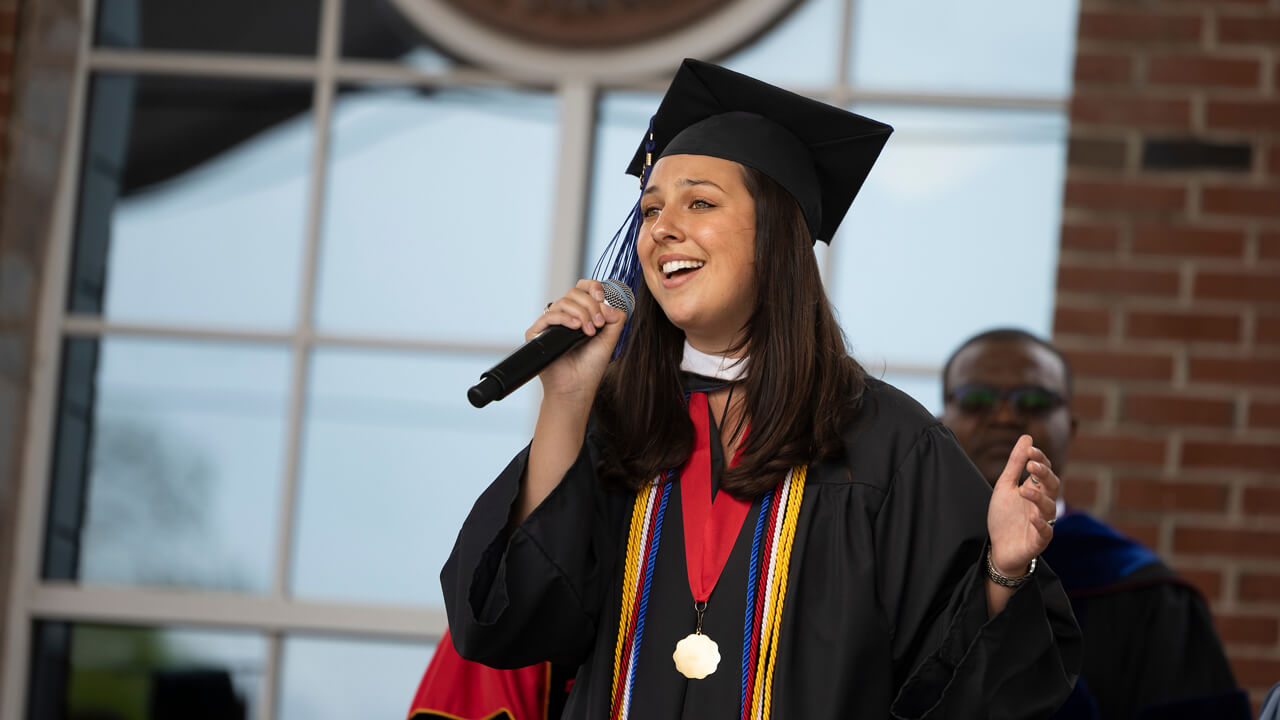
{"x": 434, "y": 195}
{"x": 925, "y": 388}
{"x": 277, "y": 27}
{"x": 338, "y": 679}
{"x": 621, "y": 120}
{"x": 144, "y": 673}
{"x": 192, "y": 201}
{"x": 377, "y": 30}
{"x": 184, "y": 445}
{"x": 1006, "y": 47}
{"x": 393, "y": 458}
{"x": 955, "y": 231}
{"x": 802, "y": 50}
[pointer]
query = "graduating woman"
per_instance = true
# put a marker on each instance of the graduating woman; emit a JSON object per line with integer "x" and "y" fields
{"x": 731, "y": 519}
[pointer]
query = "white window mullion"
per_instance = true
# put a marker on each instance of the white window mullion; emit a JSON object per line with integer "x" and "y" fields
{"x": 33, "y": 485}
{"x": 330, "y": 32}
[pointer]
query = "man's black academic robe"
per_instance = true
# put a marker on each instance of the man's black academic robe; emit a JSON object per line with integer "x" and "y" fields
{"x": 1150, "y": 649}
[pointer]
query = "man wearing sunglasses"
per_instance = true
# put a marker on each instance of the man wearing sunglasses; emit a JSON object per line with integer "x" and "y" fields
{"x": 1149, "y": 642}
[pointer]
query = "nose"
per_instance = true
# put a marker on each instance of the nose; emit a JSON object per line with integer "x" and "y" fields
{"x": 665, "y": 228}
{"x": 1005, "y": 414}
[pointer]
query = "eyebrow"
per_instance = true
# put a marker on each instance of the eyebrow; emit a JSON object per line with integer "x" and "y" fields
{"x": 685, "y": 182}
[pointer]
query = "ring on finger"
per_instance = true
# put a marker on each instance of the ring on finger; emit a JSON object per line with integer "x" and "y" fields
{"x": 548, "y": 307}
{"x": 1051, "y": 522}
{"x": 1034, "y": 481}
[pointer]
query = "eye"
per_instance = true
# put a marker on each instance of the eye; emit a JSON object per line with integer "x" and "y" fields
{"x": 650, "y": 212}
{"x": 701, "y": 204}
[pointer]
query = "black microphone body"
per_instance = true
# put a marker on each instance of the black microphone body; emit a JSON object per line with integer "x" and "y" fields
{"x": 529, "y": 359}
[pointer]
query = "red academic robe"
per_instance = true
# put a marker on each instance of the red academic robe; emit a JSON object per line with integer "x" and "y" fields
{"x": 457, "y": 689}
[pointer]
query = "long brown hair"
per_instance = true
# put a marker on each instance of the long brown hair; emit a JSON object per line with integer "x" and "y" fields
{"x": 801, "y": 388}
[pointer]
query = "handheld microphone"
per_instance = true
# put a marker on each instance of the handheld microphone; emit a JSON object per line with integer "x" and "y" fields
{"x": 529, "y": 359}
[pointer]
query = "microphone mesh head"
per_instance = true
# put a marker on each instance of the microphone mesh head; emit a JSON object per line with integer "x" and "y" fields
{"x": 618, "y": 295}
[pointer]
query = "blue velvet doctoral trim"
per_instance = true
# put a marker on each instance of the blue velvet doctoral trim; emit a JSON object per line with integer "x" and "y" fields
{"x": 1089, "y": 556}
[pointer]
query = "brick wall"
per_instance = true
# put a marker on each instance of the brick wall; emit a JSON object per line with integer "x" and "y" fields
{"x": 1169, "y": 297}
{"x": 8, "y": 39}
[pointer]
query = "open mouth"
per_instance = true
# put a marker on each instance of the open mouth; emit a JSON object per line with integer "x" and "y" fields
{"x": 675, "y": 268}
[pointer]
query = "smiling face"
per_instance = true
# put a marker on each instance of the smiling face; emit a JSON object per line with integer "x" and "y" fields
{"x": 697, "y": 247}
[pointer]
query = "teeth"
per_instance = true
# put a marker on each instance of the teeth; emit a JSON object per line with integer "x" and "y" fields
{"x": 674, "y": 265}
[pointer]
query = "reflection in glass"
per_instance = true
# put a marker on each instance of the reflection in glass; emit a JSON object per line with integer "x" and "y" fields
{"x": 192, "y": 201}
{"x": 96, "y": 672}
{"x": 802, "y": 50}
{"x": 377, "y": 30}
{"x": 955, "y": 231}
{"x": 181, "y": 483}
{"x": 1000, "y": 47}
{"x": 393, "y": 459}
{"x": 621, "y": 120}
{"x": 438, "y": 213}
{"x": 329, "y": 679}
{"x": 274, "y": 27}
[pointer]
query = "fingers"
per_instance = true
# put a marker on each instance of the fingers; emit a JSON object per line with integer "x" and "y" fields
{"x": 1017, "y": 460}
{"x": 1042, "y": 474}
{"x": 582, "y": 307}
{"x": 1045, "y": 506}
{"x": 1043, "y": 529}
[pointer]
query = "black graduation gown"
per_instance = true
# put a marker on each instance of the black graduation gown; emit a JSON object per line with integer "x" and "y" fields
{"x": 1150, "y": 649}
{"x": 885, "y": 610}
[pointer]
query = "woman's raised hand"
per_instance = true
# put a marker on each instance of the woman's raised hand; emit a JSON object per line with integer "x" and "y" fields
{"x": 1019, "y": 516}
{"x": 575, "y": 376}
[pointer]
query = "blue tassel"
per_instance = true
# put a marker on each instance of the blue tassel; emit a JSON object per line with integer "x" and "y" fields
{"x": 619, "y": 256}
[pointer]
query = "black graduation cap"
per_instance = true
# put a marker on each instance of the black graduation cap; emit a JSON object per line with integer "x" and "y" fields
{"x": 819, "y": 153}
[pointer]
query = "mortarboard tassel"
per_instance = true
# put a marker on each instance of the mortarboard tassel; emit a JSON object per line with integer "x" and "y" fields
{"x": 619, "y": 256}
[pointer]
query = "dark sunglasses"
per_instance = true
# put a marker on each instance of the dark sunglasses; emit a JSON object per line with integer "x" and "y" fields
{"x": 1027, "y": 400}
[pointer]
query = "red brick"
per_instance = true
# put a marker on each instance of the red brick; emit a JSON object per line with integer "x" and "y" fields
{"x": 1209, "y": 327}
{"x": 1247, "y": 629}
{"x": 1255, "y": 672}
{"x": 1259, "y": 587}
{"x": 1121, "y": 365}
{"x": 1266, "y": 330}
{"x": 1244, "y": 115}
{"x": 1178, "y": 410}
{"x": 1242, "y": 201}
{"x": 1143, "y": 494}
{"x": 1090, "y": 238}
{"x": 1080, "y": 491}
{"x": 1249, "y": 30}
{"x": 1231, "y": 455}
{"x": 1236, "y": 371}
{"x": 1081, "y": 321}
{"x": 1145, "y": 532}
{"x": 1203, "y": 71}
{"x": 1112, "y": 447}
{"x": 1131, "y": 112}
{"x": 1232, "y": 541}
{"x": 1139, "y": 27}
{"x": 1180, "y": 240}
{"x": 1262, "y": 501}
{"x": 1259, "y": 286}
{"x": 1103, "y": 68}
{"x": 1269, "y": 246}
{"x": 1078, "y": 278}
{"x": 1092, "y": 195}
{"x": 1208, "y": 582}
{"x": 1088, "y": 406}
{"x": 1263, "y": 414}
